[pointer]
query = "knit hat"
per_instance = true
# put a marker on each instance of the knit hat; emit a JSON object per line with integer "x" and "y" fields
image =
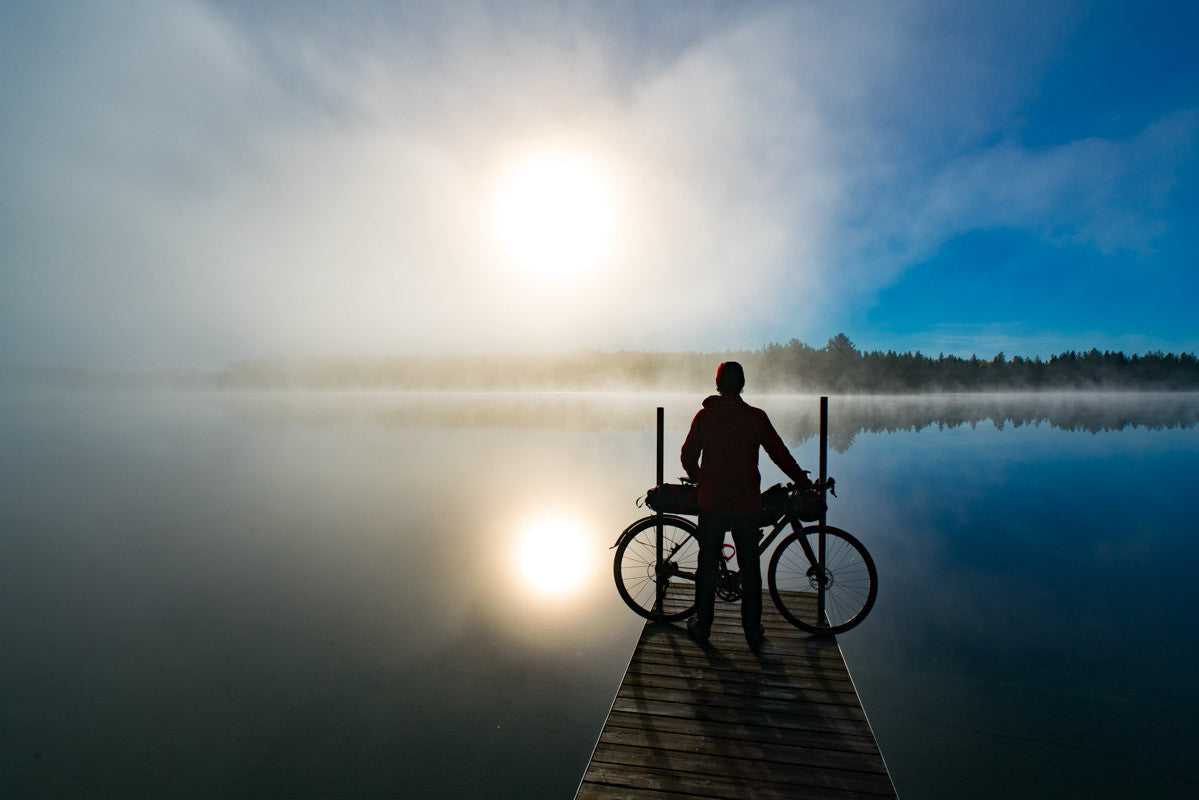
{"x": 730, "y": 378}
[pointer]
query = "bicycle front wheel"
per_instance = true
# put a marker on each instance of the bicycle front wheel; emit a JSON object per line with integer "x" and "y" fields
{"x": 663, "y": 590}
{"x": 845, "y": 585}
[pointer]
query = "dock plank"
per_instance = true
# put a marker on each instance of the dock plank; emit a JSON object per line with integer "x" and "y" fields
{"x": 724, "y": 722}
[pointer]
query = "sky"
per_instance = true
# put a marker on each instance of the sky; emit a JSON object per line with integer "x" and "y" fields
{"x": 185, "y": 183}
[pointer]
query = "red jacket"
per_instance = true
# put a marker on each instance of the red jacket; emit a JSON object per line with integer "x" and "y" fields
{"x": 728, "y": 431}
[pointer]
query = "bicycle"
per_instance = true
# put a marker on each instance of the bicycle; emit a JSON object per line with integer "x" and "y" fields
{"x": 821, "y": 578}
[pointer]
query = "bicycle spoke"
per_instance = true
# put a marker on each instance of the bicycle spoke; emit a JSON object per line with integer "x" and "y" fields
{"x": 639, "y": 576}
{"x": 846, "y": 581}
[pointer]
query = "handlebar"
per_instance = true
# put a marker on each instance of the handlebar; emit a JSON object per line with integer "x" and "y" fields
{"x": 826, "y": 485}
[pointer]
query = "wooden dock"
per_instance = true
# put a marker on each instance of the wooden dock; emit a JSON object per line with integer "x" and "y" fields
{"x": 727, "y": 723}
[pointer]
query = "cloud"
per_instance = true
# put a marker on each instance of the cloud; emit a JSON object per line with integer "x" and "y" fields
{"x": 123, "y": 114}
{"x": 1105, "y": 194}
{"x": 929, "y": 140}
{"x": 197, "y": 182}
{"x": 205, "y": 186}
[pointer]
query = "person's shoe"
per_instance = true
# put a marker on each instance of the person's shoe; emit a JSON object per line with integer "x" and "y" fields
{"x": 694, "y": 631}
{"x": 755, "y": 638}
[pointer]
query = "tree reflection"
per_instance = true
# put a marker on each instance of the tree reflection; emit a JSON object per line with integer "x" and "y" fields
{"x": 796, "y": 416}
{"x": 1078, "y": 411}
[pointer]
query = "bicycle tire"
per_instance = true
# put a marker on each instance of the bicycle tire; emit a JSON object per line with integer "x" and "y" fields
{"x": 850, "y": 589}
{"x": 637, "y": 578}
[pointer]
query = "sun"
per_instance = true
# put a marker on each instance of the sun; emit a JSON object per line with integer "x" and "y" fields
{"x": 553, "y": 213}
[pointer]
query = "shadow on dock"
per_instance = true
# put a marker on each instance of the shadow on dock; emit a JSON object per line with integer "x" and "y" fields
{"x": 726, "y": 722}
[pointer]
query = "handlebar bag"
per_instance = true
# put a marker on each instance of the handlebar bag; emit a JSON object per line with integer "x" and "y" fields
{"x": 809, "y": 504}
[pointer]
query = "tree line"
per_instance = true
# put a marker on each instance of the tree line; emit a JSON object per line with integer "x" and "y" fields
{"x": 838, "y": 367}
{"x": 841, "y": 367}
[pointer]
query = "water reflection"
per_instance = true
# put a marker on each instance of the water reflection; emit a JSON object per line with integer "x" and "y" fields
{"x": 200, "y": 605}
{"x": 1092, "y": 412}
{"x": 245, "y": 595}
{"x": 795, "y": 416}
{"x": 553, "y": 555}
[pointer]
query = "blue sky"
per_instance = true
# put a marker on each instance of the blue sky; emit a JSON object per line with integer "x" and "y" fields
{"x": 186, "y": 183}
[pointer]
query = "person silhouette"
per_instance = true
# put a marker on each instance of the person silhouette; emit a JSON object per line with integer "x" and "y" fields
{"x": 720, "y": 454}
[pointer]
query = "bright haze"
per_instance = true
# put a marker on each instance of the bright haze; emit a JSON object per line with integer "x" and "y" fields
{"x": 185, "y": 183}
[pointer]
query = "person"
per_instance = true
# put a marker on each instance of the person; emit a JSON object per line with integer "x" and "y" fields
{"x": 720, "y": 454}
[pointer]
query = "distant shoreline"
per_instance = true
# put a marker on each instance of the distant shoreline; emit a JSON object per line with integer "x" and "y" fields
{"x": 792, "y": 368}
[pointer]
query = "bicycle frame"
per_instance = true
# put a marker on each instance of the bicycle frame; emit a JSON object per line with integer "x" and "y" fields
{"x": 666, "y": 556}
{"x": 797, "y": 525}
{"x": 814, "y": 559}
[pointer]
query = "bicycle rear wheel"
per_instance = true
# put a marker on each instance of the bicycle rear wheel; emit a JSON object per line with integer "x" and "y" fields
{"x": 848, "y": 581}
{"x": 639, "y": 576}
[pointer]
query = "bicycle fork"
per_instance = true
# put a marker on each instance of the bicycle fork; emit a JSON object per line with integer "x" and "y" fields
{"x": 817, "y": 573}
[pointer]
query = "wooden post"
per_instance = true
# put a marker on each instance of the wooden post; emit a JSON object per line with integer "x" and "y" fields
{"x": 820, "y": 556}
{"x": 661, "y": 441}
{"x": 660, "y": 589}
{"x": 823, "y": 438}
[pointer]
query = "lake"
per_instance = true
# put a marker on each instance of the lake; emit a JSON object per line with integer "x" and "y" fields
{"x": 391, "y": 595}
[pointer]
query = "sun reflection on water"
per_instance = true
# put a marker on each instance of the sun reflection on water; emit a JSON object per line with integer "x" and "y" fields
{"x": 553, "y": 555}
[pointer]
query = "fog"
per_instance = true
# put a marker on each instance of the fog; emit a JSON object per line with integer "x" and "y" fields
{"x": 795, "y": 416}
{"x": 200, "y": 182}
{"x": 188, "y": 183}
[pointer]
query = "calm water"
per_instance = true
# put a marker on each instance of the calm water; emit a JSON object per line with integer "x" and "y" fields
{"x": 272, "y": 595}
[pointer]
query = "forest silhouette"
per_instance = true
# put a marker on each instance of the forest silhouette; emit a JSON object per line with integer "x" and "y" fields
{"x": 795, "y": 367}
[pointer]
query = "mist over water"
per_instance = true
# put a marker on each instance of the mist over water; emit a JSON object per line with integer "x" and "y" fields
{"x": 795, "y": 416}
{"x": 257, "y": 594}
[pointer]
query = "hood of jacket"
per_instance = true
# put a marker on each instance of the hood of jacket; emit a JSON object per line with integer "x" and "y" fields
{"x": 723, "y": 401}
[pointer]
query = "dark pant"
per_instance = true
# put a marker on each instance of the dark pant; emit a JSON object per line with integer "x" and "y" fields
{"x": 712, "y": 527}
